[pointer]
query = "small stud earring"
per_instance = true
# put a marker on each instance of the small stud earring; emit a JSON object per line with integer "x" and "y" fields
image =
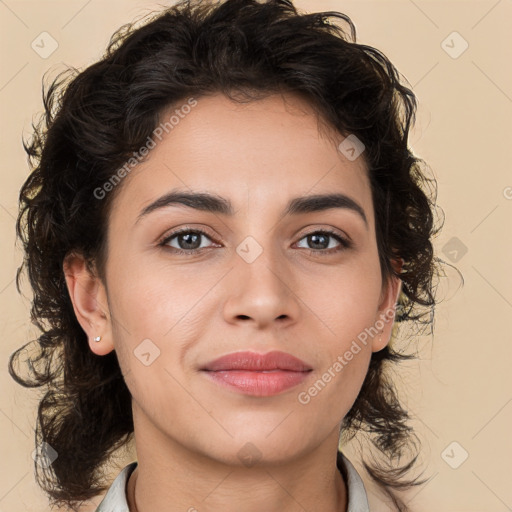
{"x": 98, "y": 338}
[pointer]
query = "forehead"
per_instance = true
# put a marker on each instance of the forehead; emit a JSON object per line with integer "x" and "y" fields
{"x": 258, "y": 154}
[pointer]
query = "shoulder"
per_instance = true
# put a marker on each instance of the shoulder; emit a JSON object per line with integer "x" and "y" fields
{"x": 357, "y": 497}
{"x": 115, "y": 499}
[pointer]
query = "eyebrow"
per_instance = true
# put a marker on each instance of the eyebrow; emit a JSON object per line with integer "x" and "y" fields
{"x": 213, "y": 203}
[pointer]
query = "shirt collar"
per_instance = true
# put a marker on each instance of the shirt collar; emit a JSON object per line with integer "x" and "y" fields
{"x": 115, "y": 499}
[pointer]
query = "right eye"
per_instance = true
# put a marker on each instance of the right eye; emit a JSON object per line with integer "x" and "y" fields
{"x": 188, "y": 241}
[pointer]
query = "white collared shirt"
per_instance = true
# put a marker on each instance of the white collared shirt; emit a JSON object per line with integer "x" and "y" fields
{"x": 115, "y": 499}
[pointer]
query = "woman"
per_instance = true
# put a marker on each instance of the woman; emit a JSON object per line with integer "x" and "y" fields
{"x": 222, "y": 217}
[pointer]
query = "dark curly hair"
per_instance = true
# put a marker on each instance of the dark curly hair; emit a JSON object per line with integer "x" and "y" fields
{"x": 95, "y": 119}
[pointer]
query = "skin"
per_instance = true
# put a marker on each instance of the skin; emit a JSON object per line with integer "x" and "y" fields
{"x": 188, "y": 430}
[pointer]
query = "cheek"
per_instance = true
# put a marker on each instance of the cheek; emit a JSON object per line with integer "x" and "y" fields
{"x": 344, "y": 311}
{"x": 345, "y": 301}
{"x": 157, "y": 313}
{"x": 150, "y": 299}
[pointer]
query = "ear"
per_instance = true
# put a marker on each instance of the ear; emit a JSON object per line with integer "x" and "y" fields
{"x": 385, "y": 319}
{"x": 89, "y": 299}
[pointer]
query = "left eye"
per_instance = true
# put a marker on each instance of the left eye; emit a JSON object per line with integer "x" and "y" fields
{"x": 320, "y": 238}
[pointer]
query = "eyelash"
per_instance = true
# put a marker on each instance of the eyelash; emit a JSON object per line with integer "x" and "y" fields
{"x": 345, "y": 244}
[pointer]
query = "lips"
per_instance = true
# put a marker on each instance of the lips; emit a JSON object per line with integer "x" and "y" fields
{"x": 259, "y": 375}
{"x": 252, "y": 361}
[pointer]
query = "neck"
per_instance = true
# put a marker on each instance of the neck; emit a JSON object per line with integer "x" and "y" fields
{"x": 170, "y": 477}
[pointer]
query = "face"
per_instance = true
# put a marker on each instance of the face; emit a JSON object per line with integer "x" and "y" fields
{"x": 246, "y": 273}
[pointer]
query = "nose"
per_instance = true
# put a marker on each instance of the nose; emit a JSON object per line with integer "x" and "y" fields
{"x": 261, "y": 291}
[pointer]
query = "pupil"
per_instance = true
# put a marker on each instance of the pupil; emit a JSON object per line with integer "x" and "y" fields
{"x": 315, "y": 238}
{"x": 187, "y": 237}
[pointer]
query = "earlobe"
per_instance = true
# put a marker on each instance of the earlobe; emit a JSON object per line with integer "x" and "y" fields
{"x": 89, "y": 300}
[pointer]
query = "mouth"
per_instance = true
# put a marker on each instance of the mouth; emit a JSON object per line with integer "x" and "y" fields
{"x": 256, "y": 374}
{"x": 255, "y": 383}
{"x": 252, "y": 361}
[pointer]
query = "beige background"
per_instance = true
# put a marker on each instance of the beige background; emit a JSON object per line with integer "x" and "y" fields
{"x": 460, "y": 389}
